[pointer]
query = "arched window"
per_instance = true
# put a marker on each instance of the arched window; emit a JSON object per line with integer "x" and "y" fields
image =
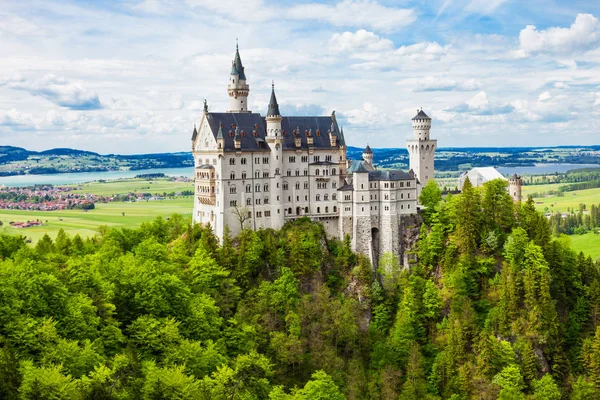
{"x": 257, "y": 174}
{"x": 318, "y": 210}
{"x": 232, "y": 161}
{"x": 257, "y": 188}
{"x": 317, "y": 172}
{"x": 248, "y": 201}
{"x": 306, "y": 210}
{"x": 326, "y": 210}
{"x": 334, "y": 209}
{"x": 334, "y": 196}
{"x": 232, "y": 175}
{"x": 276, "y": 171}
{"x": 243, "y": 174}
{"x": 266, "y": 188}
{"x": 318, "y": 197}
{"x": 232, "y": 189}
{"x": 248, "y": 188}
{"x": 326, "y": 197}
{"x": 333, "y": 171}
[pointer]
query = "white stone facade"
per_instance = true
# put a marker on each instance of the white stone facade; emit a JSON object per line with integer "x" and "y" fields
{"x": 263, "y": 171}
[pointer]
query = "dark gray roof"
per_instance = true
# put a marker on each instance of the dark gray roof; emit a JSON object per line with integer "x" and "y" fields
{"x": 368, "y": 150}
{"x": 236, "y": 66}
{"x": 346, "y": 186}
{"x": 195, "y": 133}
{"x": 342, "y": 138}
{"x": 273, "y": 105}
{"x": 421, "y": 115}
{"x": 359, "y": 166}
{"x": 389, "y": 175}
{"x": 250, "y": 122}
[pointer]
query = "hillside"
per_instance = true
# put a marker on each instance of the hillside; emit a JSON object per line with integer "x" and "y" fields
{"x": 494, "y": 308}
{"x": 19, "y": 161}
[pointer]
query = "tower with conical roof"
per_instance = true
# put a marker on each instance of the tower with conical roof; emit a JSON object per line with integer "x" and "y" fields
{"x": 367, "y": 155}
{"x": 237, "y": 88}
{"x": 421, "y": 149}
{"x": 274, "y": 139}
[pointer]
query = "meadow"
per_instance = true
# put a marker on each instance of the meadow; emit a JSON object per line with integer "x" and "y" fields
{"x": 570, "y": 200}
{"x": 588, "y": 243}
{"x": 122, "y": 186}
{"x": 115, "y": 214}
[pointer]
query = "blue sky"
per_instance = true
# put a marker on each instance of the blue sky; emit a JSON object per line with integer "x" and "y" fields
{"x": 130, "y": 76}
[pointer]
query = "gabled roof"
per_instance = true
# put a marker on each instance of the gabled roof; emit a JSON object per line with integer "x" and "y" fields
{"x": 389, "y": 175}
{"x": 346, "y": 186}
{"x": 368, "y": 150}
{"x": 359, "y": 166}
{"x": 236, "y": 66}
{"x": 421, "y": 115}
{"x": 488, "y": 173}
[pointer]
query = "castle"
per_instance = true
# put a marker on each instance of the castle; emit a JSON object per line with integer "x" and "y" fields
{"x": 261, "y": 171}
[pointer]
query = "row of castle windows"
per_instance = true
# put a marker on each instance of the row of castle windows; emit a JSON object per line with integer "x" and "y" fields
{"x": 244, "y": 160}
{"x": 305, "y": 210}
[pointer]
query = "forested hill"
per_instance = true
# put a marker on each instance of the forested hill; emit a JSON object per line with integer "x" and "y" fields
{"x": 19, "y": 161}
{"x": 494, "y": 308}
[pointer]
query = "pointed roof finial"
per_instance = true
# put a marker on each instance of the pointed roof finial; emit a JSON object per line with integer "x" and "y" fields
{"x": 205, "y": 106}
{"x": 236, "y": 44}
{"x": 273, "y": 105}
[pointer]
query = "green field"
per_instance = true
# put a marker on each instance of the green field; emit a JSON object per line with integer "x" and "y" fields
{"x": 569, "y": 200}
{"x": 588, "y": 243}
{"x": 87, "y": 223}
{"x": 122, "y": 186}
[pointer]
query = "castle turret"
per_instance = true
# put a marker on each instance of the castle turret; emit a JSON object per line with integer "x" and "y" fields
{"x": 367, "y": 155}
{"x": 237, "y": 88}
{"x": 274, "y": 140}
{"x": 421, "y": 149}
{"x": 514, "y": 187}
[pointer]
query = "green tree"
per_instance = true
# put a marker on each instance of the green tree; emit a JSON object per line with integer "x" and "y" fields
{"x": 430, "y": 196}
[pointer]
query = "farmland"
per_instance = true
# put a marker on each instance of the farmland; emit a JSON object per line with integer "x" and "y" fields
{"x": 114, "y": 214}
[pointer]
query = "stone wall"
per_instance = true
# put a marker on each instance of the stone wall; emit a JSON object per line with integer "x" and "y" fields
{"x": 410, "y": 227}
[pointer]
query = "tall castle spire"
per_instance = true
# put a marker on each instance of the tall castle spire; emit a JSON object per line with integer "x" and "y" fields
{"x": 237, "y": 88}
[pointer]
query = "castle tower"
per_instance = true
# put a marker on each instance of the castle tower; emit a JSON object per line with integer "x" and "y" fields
{"x": 514, "y": 187}
{"x": 274, "y": 139}
{"x": 421, "y": 149}
{"x": 237, "y": 88}
{"x": 367, "y": 155}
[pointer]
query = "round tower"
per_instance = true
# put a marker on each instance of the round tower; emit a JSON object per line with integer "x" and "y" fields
{"x": 421, "y": 125}
{"x": 274, "y": 139}
{"x": 421, "y": 149}
{"x": 367, "y": 155}
{"x": 237, "y": 88}
{"x": 514, "y": 187}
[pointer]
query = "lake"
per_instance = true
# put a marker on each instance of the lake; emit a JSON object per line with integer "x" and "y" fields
{"x": 539, "y": 169}
{"x": 79, "y": 177}
{"x": 65, "y": 179}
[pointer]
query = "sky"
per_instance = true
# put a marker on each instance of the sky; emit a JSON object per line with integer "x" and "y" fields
{"x": 130, "y": 76}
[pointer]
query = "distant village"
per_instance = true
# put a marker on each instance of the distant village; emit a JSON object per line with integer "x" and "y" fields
{"x": 53, "y": 198}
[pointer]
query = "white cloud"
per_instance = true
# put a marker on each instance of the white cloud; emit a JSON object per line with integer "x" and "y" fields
{"x": 484, "y": 6}
{"x": 58, "y": 90}
{"x": 366, "y": 13}
{"x": 362, "y": 40}
{"x": 246, "y": 10}
{"x": 582, "y": 35}
{"x": 435, "y": 84}
{"x": 480, "y": 105}
{"x": 597, "y": 102}
{"x": 560, "y": 85}
{"x": 544, "y": 96}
